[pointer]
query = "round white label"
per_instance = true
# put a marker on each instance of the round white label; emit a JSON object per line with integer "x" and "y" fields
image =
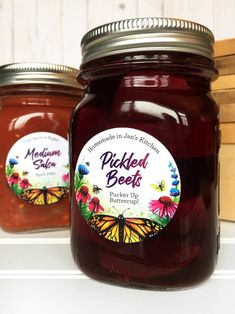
{"x": 127, "y": 185}
{"x": 37, "y": 168}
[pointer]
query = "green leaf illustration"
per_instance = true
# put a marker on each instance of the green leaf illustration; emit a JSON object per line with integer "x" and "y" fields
{"x": 85, "y": 211}
{"x": 9, "y": 170}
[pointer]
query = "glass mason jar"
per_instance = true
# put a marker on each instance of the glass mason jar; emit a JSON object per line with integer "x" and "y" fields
{"x": 36, "y": 102}
{"x": 144, "y": 155}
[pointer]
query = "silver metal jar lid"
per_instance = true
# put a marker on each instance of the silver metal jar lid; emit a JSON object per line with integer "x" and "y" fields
{"x": 147, "y": 34}
{"x": 38, "y": 73}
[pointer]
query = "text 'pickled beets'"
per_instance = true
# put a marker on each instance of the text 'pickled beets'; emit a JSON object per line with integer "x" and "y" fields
{"x": 126, "y": 162}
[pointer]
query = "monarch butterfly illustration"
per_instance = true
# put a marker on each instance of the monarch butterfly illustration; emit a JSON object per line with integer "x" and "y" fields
{"x": 160, "y": 186}
{"x": 125, "y": 230}
{"x": 96, "y": 189}
{"x": 44, "y": 196}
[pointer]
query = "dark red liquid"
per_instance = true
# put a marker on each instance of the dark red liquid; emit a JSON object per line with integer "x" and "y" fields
{"x": 178, "y": 111}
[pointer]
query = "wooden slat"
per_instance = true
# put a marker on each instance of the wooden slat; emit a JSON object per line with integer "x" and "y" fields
{"x": 224, "y": 47}
{"x": 49, "y": 35}
{"x": 226, "y": 64}
{"x": 6, "y": 33}
{"x": 227, "y": 133}
{"x": 227, "y": 175}
{"x": 44, "y": 30}
{"x": 223, "y": 24}
{"x": 224, "y": 96}
{"x": 150, "y": 8}
{"x": 224, "y": 82}
{"x": 227, "y": 113}
{"x": 74, "y": 26}
{"x": 196, "y": 11}
{"x": 25, "y": 31}
{"x": 102, "y": 11}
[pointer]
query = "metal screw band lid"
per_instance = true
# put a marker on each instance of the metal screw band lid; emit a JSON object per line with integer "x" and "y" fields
{"x": 147, "y": 34}
{"x": 38, "y": 73}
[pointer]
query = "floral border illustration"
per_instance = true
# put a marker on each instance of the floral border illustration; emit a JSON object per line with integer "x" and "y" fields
{"x": 19, "y": 183}
{"x": 161, "y": 210}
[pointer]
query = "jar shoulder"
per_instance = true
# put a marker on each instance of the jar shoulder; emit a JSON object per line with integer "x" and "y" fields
{"x": 149, "y": 104}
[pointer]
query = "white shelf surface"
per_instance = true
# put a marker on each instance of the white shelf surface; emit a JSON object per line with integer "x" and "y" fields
{"x": 38, "y": 275}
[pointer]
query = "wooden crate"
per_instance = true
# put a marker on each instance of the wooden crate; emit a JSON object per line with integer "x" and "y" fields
{"x": 227, "y": 177}
{"x": 224, "y": 92}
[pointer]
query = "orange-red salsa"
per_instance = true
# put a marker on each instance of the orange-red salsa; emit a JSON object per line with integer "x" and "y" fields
{"x": 26, "y": 110}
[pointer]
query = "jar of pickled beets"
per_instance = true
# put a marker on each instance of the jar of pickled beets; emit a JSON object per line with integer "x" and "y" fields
{"x": 144, "y": 155}
{"x": 36, "y": 102}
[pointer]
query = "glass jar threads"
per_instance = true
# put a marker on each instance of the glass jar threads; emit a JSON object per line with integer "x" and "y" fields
{"x": 144, "y": 153}
{"x": 36, "y": 101}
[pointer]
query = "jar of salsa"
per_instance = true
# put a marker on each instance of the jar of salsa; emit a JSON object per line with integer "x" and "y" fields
{"x": 36, "y": 102}
{"x": 144, "y": 155}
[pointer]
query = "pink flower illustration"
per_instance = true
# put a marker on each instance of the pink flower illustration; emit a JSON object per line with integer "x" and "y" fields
{"x": 65, "y": 177}
{"x": 163, "y": 207}
{"x": 83, "y": 195}
{"x": 14, "y": 178}
{"x": 24, "y": 184}
{"x": 94, "y": 205}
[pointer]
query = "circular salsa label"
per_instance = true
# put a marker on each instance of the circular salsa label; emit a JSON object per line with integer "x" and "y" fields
{"x": 37, "y": 168}
{"x": 127, "y": 185}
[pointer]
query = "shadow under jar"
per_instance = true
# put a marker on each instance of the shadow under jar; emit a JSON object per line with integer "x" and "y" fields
{"x": 144, "y": 155}
{"x": 36, "y": 102}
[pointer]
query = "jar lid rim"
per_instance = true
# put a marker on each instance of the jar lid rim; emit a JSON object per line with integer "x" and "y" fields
{"x": 38, "y": 73}
{"x": 147, "y": 34}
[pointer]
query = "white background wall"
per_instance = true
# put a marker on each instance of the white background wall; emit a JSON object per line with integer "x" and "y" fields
{"x": 51, "y": 30}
